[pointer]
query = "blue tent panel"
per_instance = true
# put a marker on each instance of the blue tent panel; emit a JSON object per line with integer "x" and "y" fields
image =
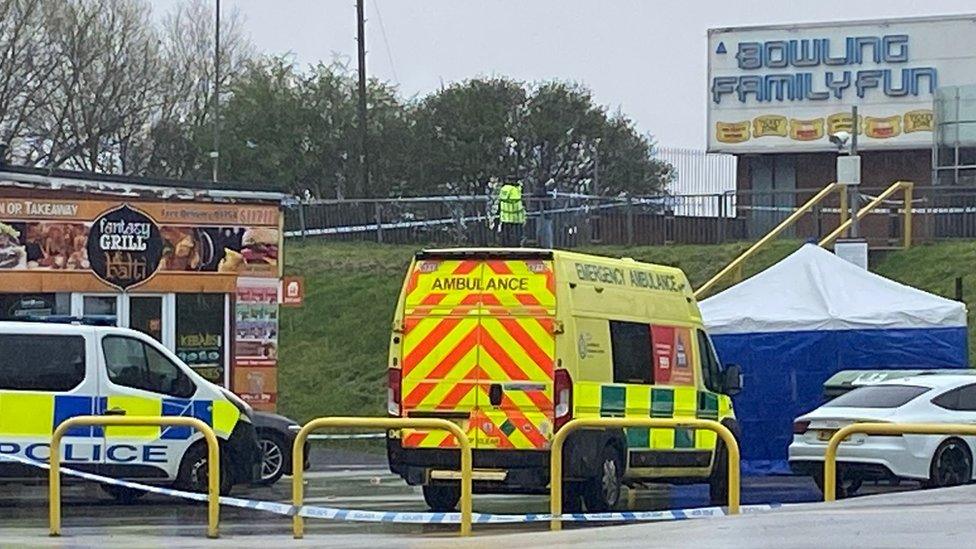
{"x": 784, "y": 374}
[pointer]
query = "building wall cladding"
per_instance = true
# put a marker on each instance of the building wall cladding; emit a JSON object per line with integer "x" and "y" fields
{"x": 815, "y": 170}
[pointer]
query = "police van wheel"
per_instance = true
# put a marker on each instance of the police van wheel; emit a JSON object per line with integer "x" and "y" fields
{"x": 602, "y": 492}
{"x": 123, "y": 494}
{"x": 572, "y": 497}
{"x": 442, "y": 498}
{"x": 193, "y": 471}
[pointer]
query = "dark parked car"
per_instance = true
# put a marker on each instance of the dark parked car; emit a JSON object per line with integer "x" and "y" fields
{"x": 276, "y": 440}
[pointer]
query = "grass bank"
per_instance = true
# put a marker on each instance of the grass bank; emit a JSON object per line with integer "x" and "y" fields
{"x": 333, "y": 349}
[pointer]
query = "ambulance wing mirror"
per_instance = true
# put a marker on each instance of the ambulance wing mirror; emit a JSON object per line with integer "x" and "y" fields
{"x": 732, "y": 380}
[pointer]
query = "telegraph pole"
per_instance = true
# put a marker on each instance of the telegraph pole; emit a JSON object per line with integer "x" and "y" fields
{"x": 363, "y": 152}
{"x": 215, "y": 153}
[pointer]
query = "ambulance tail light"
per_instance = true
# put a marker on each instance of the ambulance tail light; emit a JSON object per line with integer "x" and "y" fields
{"x": 563, "y": 405}
{"x": 394, "y": 392}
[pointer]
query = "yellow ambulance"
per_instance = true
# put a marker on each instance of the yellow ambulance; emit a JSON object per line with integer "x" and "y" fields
{"x": 513, "y": 343}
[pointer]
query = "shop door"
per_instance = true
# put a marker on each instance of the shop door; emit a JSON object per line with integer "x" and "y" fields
{"x": 102, "y": 305}
{"x": 146, "y": 315}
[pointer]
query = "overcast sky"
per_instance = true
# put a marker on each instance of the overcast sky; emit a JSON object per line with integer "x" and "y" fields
{"x": 646, "y": 57}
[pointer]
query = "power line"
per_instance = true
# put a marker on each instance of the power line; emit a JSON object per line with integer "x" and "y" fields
{"x": 389, "y": 52}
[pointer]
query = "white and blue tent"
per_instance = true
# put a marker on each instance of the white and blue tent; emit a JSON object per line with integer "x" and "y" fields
{"x": 809, "y": 316}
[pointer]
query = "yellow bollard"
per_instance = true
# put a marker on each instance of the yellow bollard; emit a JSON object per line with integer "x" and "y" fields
{"x": 830, "y": 456}
{"x": 213, "y": 460}
{"x": 556, "y": 456}
{"x": 298, "y": 457}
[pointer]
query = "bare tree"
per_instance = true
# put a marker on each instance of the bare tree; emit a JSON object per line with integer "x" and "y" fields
{"x": 25, "y": 65}
{"x": 183, "y": 126}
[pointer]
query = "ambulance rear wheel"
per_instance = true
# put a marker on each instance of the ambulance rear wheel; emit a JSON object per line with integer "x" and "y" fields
{"x": 442, "y": 498}
{"x": 193, "y": 471}
{"x": 123, "y": 494}
{"x": 602, "y": 491}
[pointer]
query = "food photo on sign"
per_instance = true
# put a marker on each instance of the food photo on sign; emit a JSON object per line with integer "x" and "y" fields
{"x": 252, "y": 250}
{"x": 43, "y": 245}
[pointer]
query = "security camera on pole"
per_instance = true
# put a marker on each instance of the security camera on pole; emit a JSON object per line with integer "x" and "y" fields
{"x": 853, "y": 248}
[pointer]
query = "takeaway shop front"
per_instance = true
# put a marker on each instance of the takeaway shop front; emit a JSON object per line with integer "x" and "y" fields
{"x": 198, "y": 274}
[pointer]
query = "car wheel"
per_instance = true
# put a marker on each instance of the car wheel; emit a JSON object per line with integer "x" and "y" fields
{"x": 193, "y": 477}
{"x": 718, "y": 482}
{"x": 273, "y": 458}
{"x": 602, "y": 492}
{"x": 442, "y": 498}
{"x": 847, "y": 483}
{"x": 123, "y": 494}
{"x": 952, "y": 464}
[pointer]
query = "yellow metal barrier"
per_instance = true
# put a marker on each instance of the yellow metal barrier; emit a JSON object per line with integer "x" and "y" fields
{"x": 830, "y": 457}
{"x": 906, "y": 186}
{"x": 213, "y": 459}
{"x": 298, "y": 457}
{"x": 737, "y": 263}
{"x": 556, "y": 455}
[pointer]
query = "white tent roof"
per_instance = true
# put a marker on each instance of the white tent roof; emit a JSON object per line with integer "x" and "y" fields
{"x": 813, "y": 289}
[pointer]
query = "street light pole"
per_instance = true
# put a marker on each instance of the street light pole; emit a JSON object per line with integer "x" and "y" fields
{"x": 215, "y": 153}
{"x": 853, "y": 193}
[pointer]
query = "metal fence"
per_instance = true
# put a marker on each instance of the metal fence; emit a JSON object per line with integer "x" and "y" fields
{"x": 573, "y": 220}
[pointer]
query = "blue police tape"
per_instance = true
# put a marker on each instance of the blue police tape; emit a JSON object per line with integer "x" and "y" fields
{"x": 353, "y": 515}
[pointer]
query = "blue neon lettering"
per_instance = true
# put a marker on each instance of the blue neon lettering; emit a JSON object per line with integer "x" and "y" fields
{"x": 852, "y": 52}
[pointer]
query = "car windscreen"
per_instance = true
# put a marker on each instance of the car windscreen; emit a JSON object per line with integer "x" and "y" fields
{"x": 878, "y": 396}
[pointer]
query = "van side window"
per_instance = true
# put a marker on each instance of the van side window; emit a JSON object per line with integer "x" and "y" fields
{"x": 630, "y": 343}
{"x": 711, "y": 368}
{"x": 133, "y": 363}
{"x": 41, "y": 362}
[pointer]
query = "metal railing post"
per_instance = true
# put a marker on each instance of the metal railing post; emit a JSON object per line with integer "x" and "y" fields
{"x": 862, "y": 212}
{"x": 630, "y": 221}
{"x": 830, "y": 456}
{"x": 298, "y": 457}
{"x": 782, "y": 226}
{"x": 213, "y": 460}
{"x": 556, "y": 453}
{"x": 378, "y": 216}
{"x": 907, "y": 229}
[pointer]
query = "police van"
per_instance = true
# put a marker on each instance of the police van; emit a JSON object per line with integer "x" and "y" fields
{"x": 511, "y": 344}
{"x": 51, "y": 371}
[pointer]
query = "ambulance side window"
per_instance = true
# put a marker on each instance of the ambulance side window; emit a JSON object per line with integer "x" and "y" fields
{"x": 41, "y": 362}
{"x": 711, "y": 368}
{"x": 630, "y": 343}
{"x": 133, "y": 363}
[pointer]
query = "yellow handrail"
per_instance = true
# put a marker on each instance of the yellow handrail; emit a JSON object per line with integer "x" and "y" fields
{"x": 830, "y": 457}
{"x": 213, "y": 460}
{"x": 556, "y": 454}
{"x": 907, "y": 186}
{"x": 298, "y": 457}
{"x": 790, "y": 220}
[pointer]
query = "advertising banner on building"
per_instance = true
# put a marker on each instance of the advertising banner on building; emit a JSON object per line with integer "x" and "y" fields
{"x": 124, "y": 244}
{"x": 787, "y": 88}
{"x": 256, "y": 342}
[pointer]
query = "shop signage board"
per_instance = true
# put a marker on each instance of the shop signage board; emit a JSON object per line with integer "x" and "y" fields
{"x": 106, "y": 239}
{"x": 292, "y": 291}
{"x": 786, "y": 88}
{"x": 256, "y": 342}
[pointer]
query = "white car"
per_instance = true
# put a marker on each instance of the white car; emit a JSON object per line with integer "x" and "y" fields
{"x": 935, "y": 460}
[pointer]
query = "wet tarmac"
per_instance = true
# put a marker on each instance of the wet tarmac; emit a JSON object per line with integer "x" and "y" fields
{"x": 353, "y": 481}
